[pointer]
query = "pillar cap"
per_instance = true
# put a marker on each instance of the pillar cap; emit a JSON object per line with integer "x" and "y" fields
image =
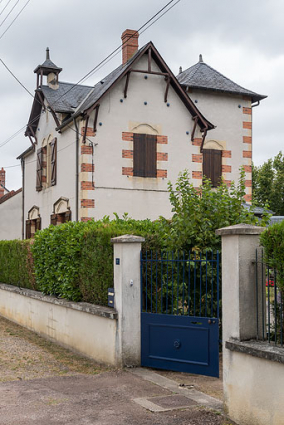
{"x": 128, "y": 239}
{"x": 240, "y": 229}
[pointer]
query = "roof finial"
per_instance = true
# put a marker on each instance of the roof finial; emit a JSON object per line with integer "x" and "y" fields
{"x": 180, "y": 69}
{"x": 200, "y": 58}
{"x": 47, "y": 53}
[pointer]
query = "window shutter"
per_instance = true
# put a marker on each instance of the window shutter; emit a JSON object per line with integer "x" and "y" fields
{"x": 138, "y": 155}
{"x": 207, "y": 163}
{"x": 150, "y": 156}
{"x": 53, "y": 219}
{"x": 39, "y": 170}
{"x": 28, "y": 229}
{"x": 68, "y": 216}
{"x": 53, "y": 146}
{"x": 216, "y": 166}
{"x": 38, "y": 224}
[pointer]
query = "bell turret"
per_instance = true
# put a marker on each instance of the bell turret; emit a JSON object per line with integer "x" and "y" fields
{"x": 48, "y": 69}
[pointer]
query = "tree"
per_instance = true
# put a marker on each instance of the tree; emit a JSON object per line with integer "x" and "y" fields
{"x": 268, "y": 184}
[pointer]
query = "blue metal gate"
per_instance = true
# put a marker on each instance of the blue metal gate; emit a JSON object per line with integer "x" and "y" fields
{"x": 180, "y": 312}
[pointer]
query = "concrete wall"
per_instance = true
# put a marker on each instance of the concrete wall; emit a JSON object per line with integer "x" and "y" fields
{"x": 253, "y": 372}
{"x": 11, "y": 218}
{"x": 82, "y": 327}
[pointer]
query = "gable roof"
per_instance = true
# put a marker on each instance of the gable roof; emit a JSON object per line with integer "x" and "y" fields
{"x": 9, "y": 195}
{"x": 203, "y": 76}
{"x": 101, "y": 88}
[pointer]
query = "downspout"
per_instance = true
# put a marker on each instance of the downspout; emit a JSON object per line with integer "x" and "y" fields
{"x": 23, "y": 198}
{"x": 77, "y": 171}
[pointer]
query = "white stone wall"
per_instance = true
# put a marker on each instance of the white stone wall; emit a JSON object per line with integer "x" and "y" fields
{"x": 11, "y": 218}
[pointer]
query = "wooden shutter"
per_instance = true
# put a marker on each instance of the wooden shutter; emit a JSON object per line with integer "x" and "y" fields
{"x": 53, "y": 146}
{"x": 150, "y": 156}
{"x": 39, "y": 169}
{"x": 144, "y": 155}
{"x": 212, "y": 165}
{"x": 38, "y": 224}
{"x": 53, "y": 219}
{"x": 28, "y": 229}
{"x": 68, "y": 216}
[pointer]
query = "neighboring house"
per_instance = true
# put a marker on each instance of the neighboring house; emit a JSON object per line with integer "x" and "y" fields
{"x": 10, "y": 211}
{"x": 115, "y": 146}
{"x": 229, "y": 107}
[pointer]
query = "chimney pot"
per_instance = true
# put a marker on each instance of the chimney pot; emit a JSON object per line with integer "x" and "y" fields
{"x": 129, "y": 44}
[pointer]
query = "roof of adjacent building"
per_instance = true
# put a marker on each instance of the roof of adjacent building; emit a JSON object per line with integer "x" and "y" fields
{"x": 9, "y": 195}
{"x": 203, "y": 76}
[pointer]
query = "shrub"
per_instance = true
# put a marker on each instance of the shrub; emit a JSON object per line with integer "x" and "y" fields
{"x": 16, "y": 264}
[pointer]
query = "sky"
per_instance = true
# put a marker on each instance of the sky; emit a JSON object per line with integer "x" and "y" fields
{"x": 242, "y": 39}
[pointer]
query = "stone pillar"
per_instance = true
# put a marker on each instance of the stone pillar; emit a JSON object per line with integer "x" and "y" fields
{"x": 127, "y": 300}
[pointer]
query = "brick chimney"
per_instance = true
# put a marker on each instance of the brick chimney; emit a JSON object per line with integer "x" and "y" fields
{"x": 130, "y": 44}
{"x": 2, "y": 181}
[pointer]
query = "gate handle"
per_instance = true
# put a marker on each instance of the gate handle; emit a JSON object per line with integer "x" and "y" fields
{"x": 177, "y": 343}
{"x": 210, "y": 322}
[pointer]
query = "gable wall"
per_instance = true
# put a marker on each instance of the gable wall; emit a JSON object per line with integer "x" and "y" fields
{"x": 116, "y": 190}
{"x": 11, "y": 218}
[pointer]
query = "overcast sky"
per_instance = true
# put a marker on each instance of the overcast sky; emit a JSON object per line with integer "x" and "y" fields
{"x": 242, "y": 39}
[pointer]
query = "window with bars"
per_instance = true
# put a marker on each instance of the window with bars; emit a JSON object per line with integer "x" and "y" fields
{"x": 144, "y": 155}
{"x": 212, "y": 165}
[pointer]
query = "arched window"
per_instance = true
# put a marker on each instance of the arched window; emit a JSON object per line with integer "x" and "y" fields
{"x": 61, "y": 212}
{"x": 33, "y": 223}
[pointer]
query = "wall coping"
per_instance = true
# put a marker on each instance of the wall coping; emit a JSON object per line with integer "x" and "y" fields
{"x": 128, "y": 239}
{"x": 96, "y": 310}
{"x": 240, "y": 229}
{"x": 259, "y": 349}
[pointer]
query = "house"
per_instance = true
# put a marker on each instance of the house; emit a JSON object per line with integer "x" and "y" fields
{"x": 10, "y": 210}
{"x": 113, "y": 147}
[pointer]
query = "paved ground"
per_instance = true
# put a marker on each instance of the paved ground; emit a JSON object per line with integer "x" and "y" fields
{"x": 45, "y": 384}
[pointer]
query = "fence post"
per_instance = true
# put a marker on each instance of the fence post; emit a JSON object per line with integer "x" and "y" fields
{"x": 127, "y": 300}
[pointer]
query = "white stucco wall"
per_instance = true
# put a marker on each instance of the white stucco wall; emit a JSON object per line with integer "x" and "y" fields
{"x": 91, "y": 335}
{"x": 11, "y": 218}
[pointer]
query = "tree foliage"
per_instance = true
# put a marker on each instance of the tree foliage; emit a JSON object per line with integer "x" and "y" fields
{"x": 268, "y": 184}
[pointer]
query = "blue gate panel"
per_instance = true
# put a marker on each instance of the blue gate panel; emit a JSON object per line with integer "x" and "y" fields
{"x": 180, "y": 343}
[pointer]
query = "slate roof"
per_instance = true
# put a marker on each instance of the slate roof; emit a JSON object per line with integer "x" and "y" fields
{"x": 69, "y": 102}
{"x": 203, "y": 76}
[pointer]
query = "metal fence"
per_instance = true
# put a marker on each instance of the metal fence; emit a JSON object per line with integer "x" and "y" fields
{"x": 181, "y": 283}
{"x": 270, "y": 299}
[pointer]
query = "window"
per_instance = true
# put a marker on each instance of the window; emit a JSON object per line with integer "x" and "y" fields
{"x": 46, "y": 169}
{"x": 212, "y": 165}
{"x": 144, "y": 155}
{"x": 33, "y": 223}
{"x": 57, "y": 219}
{"x": 61, "y": 212}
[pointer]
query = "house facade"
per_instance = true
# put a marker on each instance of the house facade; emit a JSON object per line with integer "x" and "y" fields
{"x": 113, "y": 147}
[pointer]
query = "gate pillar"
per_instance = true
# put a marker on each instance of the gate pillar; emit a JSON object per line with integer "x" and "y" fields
{"x": 127, "y": 299}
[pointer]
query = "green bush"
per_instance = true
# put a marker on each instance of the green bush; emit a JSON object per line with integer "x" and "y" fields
{"x": 272, "y": 239}
{"x": 16, "y": 264}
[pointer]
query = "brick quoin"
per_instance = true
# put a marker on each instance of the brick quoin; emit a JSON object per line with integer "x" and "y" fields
{"x": 248, "y": 198}
{"x": 247, "y": 124}
{"x": 90, "y": 132}
{"x": 162, "y": 173}
{"x": 246, "y": 110}
{"x": 85, "y": 219}
{"x": 228, "y": 182}
{"x": 127, "y": 136}
{"x": 127, "y": 153}
{"x": 88, "y": 168}
{"x": 87, "y": 186}
{"x": 197, "y": 142}
{"x": 162, "y": 140}
{"x": 247, "y": 168}
{"x": 161, "y": 156}
{"x": 197, "y": 174}
{"x": 127, "y": 171}
{"x": 247, "y": 154}
{"x": 247, "y": 139}
{"x": 87, "y": 203}
{"x": 248, "y": 183}
{"x": 86, "y": 150}
{"x": 226, "y": 169}
{"x": 197, "y": 158}
{"x": 227, "y": 154}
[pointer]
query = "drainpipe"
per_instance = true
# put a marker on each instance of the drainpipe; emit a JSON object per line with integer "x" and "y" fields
{"x": 77, "y": 170}
{"x": 23, "y": 198}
